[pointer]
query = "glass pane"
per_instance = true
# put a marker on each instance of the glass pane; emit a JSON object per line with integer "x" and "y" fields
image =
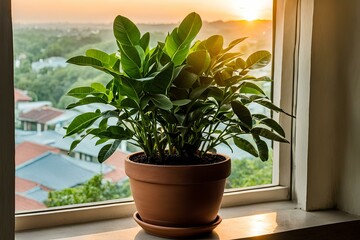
{"x": 47, "y": 33}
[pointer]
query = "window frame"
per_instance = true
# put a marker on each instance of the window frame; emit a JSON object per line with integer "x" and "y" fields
{"x": 284, "y": 43}
{"x": 7, "y": 146}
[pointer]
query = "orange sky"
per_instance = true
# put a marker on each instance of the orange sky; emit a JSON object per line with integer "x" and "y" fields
{"x": 141, "y": 11}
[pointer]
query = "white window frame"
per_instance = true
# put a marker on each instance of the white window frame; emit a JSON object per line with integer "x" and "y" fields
{"x": 285, "y": 26}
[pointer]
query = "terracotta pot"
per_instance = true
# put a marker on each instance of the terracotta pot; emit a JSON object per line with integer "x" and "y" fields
{"x": 178, "y": 196}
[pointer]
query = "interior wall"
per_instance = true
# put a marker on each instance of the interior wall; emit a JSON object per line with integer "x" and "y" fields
{"x": 347, "y": 15}
{"x": 333, "y": 173}
{"x": 324, "y": 108}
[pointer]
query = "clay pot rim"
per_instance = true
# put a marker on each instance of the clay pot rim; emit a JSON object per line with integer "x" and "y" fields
{"x": 177, "y": 174}
{"x": 227, "y": 158}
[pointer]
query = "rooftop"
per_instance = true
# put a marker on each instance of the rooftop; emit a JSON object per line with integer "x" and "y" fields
{"x": 21, "y": 96}
{"x": 45, "y": 137}
{"x": 57, "y": 171}
{"x": 116, "y": 161}
{"x": 41, "y": 115}
{"x": 23, "y": 185}
{"x": 29, "y": 150}
{"x": 23, "y": 203}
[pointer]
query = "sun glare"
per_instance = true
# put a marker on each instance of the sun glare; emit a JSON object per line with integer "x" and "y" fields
{"x": 251, "y": 9}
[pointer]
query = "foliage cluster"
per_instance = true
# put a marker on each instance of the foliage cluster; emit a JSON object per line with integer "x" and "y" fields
{"x": 95, "y": 190}
{"x": 174, "y": 98}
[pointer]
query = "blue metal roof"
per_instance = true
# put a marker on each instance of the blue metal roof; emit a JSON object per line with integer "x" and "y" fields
{"x": 45, "y": 138}
{"x": 57, "y": 171}
{"x": 87, "y": 146}
{"x": 37, "y": 194}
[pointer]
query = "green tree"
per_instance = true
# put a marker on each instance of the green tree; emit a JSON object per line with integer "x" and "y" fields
{"x": 249, "y": 172}
{"x": 95, "y": 190}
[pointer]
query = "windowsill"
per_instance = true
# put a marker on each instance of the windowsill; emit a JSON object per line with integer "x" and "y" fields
{"x": 238, "y": 223}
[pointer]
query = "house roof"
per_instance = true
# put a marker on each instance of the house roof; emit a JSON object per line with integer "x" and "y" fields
{"x": 45, "y": 137}
{"x": 29, "y": 150}
{"x": 28, "y": 106}
{"x": 21, "y": 96}
{"x": 116, "y": 161}
{"x": 37, "y": 193}
{"x": 22, "y": 203}
{"x": 23, "y": 185}
{"x": 87, "y": 146}
{"x": 57, "y": 171}
{"x": 41, "y": 115}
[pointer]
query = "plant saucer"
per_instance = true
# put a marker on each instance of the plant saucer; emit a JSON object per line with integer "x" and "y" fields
{"x": 176, "y": 232}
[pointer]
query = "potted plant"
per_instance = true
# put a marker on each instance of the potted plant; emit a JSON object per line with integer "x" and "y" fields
{"x": 176, "y": 101}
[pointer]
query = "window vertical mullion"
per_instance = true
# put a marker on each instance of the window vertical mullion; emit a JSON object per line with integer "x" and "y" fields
{"x": 7, "y": 146}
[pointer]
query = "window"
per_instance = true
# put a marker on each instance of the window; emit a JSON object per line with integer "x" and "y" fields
{"x": 93, "y": 34}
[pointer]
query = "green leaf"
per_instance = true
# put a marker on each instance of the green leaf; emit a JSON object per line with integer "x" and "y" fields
{"x": 274, "y": 125}
{"x": 130, "y": 61}
{"x": 162, "y": 81}
{"x": 85, "y": 61}
{"x": 246, "y": 146}
{"x": 258, "y": 59}
{"x": 106, "y": 151}
{"x": 98, "y": 55}
{"x": 86, "y": 101}
{"x": 144, "y": 41}
{"x": 81, "y": 122}
{"x": 266, "y": 133}
{"x": 80, "y": 92}
{"x": 248, "y": 87}
{"x": 271, "y": 106}
{"x": 103, "y": 123}
{"x": 189, "y": 27}
{"x": 214, "y": 44}
{"x": 263, "y": 79}
{"x": 101, "y": 141}
{"x": 240, "y": 63}
{"x": 181, "y": 102}
{"x": 177, "y": 44}
{"x": 242, "y": 112}
{"x": 185, "y": 79}
{"x": 196, "y": 92}
{"x": 199, "y": 61}
{"x": 99, "y": 87}
{"x": 125, "y": 31}
{"x": 129, "y": 103}
{"x": 262, "y": 148}
{"x": 234, "y": 43}
{"x": 119, "y": 133}
{"x": 161, "y": 101}
{"x": 129, "y": 88}
{"x": 74, "y": 144}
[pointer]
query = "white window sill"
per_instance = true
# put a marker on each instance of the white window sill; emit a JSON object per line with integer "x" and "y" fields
{"x": 238, "y": 223}
{"x": 107, "y": 210}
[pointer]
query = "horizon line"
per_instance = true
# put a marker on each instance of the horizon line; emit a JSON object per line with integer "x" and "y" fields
{"x": 138, "y": 23}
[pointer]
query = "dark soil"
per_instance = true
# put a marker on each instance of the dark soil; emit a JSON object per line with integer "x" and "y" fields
{"x": 177, "y": 160}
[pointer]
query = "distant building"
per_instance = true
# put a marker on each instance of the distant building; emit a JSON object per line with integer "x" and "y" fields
{"x": 117, "y": 162}
{"x": 26, "y": 151}
{"x": 28, "y": 106}
{"x": 52, "y": 62}
{"x": 23, "y": 203}
{"x": 21, "y": 96}
{"x": 57, "y": 171}
{"x": 39, "y": 119}
{"x": 45, "y": 138}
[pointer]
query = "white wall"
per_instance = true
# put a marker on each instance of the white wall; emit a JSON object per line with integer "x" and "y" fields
{"x": 332, "y": 90}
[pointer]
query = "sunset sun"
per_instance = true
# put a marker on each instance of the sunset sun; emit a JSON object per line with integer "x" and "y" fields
{"x": 251, "y": 9}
